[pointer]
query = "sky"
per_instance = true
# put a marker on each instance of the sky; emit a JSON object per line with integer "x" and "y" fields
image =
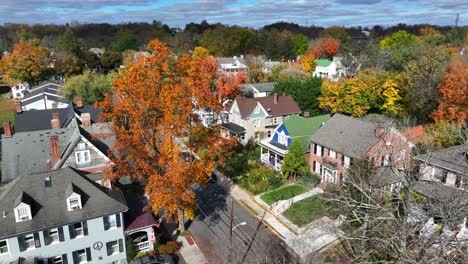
{"x": 251, "y": 13}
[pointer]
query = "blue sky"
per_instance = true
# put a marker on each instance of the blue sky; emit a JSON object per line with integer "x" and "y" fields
{"x": 252, "y": 13}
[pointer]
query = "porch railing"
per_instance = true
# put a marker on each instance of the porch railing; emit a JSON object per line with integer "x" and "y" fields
{"x": 142, "y": 246}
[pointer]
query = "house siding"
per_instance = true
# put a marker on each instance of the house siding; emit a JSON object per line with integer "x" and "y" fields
{"x": 97, "y": 162}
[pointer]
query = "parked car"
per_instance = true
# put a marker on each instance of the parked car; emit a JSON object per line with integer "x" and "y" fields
{"x": 154, "y": 259}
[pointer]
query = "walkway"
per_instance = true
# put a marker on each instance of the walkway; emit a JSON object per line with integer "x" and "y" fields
{"x": 190, "y": 252}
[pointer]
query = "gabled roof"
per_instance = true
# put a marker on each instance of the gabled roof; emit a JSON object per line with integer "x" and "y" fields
{"x": 323, "y": 62}
{"x": 285, "y": 106}
{"x": 139, "y": 214}
{"x": 231, "y": 61}
{"x": 301, "y": 128}
{"x": 261, "y": 87}
{"x": 50, "y": 207}
{"x": 454, "y": 158}
{"x": 350, "y": 136}
{"x": 49, "y": 89}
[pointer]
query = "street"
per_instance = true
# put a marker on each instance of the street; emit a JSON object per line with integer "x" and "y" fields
{"x": 251, "y": 243}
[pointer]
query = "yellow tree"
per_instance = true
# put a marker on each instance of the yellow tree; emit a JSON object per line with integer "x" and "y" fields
{"x": 151, "y": 109}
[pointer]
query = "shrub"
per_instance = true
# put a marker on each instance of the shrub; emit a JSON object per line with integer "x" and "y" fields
{"x": 261, "y": 179}
{"x": 131, "y": 252}
{"x": 140, "y": 254}
{"x": 311, "y": 179}
{"x": 170, "y": 247}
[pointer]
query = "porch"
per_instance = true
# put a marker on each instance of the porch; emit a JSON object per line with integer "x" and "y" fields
{"x": 271, "y": 158}
{"x": 143, "y": 240}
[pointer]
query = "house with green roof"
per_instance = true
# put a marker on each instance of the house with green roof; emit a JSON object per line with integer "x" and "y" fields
{"x": 295, "y": 127}
{"x": 330, "y": 69}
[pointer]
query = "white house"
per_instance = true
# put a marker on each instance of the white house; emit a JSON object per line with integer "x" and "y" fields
{"x": 333, "y": 70}
{"x": 44, "y": 96}
{"x": 19, "y": 90}
{"x": 231, "y": 65}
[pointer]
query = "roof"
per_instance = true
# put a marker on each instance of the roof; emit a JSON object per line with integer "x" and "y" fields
{"x": 40, "y": 119}
{"x": 454, "y": 158}
{"x": 301, "y": 128}
{"x": 51, "y": 89}
{"x": 230, "y": 60}
{"x": 385, "y": 176}
{"x": 350, "y": 136}
{"x": 235, "y": 128}
{"x": 139, "y": 214}
{"x": 323, "y": 62}
{"x": 49, "y": 208}
{"x": 285, "y": 106}
{"x": 261, "y": 87}
{"x": 445, "y": 195}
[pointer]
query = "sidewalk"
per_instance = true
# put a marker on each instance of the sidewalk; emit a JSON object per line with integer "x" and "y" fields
{"x": 190, "y": 251}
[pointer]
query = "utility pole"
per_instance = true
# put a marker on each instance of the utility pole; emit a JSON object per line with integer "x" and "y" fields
{"x": 231, "y": 220}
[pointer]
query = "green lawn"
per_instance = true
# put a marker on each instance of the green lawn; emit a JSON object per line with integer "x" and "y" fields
{"x": 308, "y": 210}
{"x": 283, "y": 193}
{"x": 7, "y": 110}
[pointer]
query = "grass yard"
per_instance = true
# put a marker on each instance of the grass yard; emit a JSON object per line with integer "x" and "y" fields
{"x": 283, "y": 193}
{"x": 308, "y": 210}
{"x": 7, "y": 109}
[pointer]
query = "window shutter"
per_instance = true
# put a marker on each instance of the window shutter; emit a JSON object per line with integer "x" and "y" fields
{"x": 108, "y": 247}
{"x": 64, "y": 259}
{"x": 46, "y": 237}
{"x": 105, "y": 220}
{"x": 88, "y": 254}
{"x": 117, "y": 216}
{"x": 21, "y": 243}
{"x": 75, "y": 256}
{"x": 121, "y": 246}
{"x": 72, "y": 231}
{"x": 85, "y": 228}
{"x": 37, "y": 240}
{"x": 60, "y": 233}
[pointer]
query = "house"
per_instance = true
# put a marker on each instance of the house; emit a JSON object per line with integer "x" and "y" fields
{"x": 61, "y": 217}
{"x": 333, "y": 70}
{"x": 44, "y": 96}
{"x": 269, "y": 65}
{"x": 258, "y": 89}
{"x": 97, "y": 51}
{"x": 257, "y": 118}
{"x": 343, "y": 139}
{"x": 19, "y": 90}
{"x": 296, "y": 127}
{"x": 139, "y": 222}
{"x": 84, "y": 147}
{"x": 232, "y": 65}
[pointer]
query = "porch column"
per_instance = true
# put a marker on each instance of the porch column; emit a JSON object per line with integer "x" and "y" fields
{"x": 276, "y": 159}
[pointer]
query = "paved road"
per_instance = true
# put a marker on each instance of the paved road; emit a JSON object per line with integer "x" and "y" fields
{"x": 251, "y": 243}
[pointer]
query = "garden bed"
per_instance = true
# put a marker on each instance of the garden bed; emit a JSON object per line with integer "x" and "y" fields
{"x": 309, "y": 209}
{"x": 283, "y": 193}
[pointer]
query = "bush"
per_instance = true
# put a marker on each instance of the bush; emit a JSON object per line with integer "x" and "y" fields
{"x": 140, "y": 254}
{"x": 131, "y": 252}
{"x": 311, "y": 179}
{"x": 170, "y": 247}
{"x": 261, "y": 179}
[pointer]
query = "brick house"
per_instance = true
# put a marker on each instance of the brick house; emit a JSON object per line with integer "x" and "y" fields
{"x": 344, "y": 139}
{"x": 257, "y": 118}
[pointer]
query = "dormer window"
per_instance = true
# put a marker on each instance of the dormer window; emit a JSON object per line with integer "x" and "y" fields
{"x": 74, "y": 203}
{"x": 23, "y": 208}
{"x": 73, "y": 197}
{"x": 23, "y": 213}
{"x": 82, "y": 156}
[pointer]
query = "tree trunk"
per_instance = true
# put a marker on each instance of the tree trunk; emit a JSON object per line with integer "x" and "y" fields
{"x": 181, "y": 220}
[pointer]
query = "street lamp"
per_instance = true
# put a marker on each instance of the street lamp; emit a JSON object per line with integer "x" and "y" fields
{"x": 240, "y": 224}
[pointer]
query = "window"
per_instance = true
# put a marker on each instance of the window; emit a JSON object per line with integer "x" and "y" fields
{"x": 3, "y": 247}
{"x": 332, "y": 153}
{"x": 81, "y": 146}
{"x": 317, "y": 168}
{"x": 56, "y": 260}
{"x": 402, "y": 154}
{"x": 329, "y": 175}
{"x": 256, "y": 122}
{"x": 274, "y": 121}
{"x": 81, "y": 256}
{"x": 269, "y": 133}
{"x": 23, "y": 213}
{"x": 74, "y": 203}
{"x": 282, "y": 139}
{"x": 257, "y": 109}
{"x": 82, "y": 156}
{"x": 111, "y": 221}
{"x": 77, "y": 230}
{"x": 346, "y": 162}
{"x": 112, "y": 248}
{"x": 386, "y": 160}
{"x": 54, "y": 235}
{"x": 318, "y": 150}
{"x": 29, "y": 241}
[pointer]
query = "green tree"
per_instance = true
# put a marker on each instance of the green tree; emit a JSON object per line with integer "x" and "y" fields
{"x": 398, "y": 49}
{"x": 279, "y": 45}
{"x": 338, "y": 33}
{"x": 305, "y": 92}
{"x": 26, "y": 36}
{"x": 70, "y": 43}
{"x": 125, "y": 40}
{"x": 111, "y": 60}
{"x": 66, "y": 65}
{"x": 294, "y": 164}
{"x": 301, "y": 43}
{"x": 91, "y": 86}
{"x": 397, "y": 39}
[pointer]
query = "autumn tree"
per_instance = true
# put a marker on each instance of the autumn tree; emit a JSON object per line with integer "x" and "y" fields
{"x": 66, "y": 65}
{"x": 324, "y": 48}
{"x": 151, "y": 109}
{"x": 308, "y": 63}
{"x": 26, "y": 63}
{"x": 453, "y": 105}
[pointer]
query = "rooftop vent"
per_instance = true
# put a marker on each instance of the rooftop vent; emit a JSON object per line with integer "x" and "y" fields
{"x": 48, "y": 182}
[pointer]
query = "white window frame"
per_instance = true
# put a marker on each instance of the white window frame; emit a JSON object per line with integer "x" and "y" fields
{"x": 256, "y": 122}
{"x": 29, "y": 241}
{"x": 23, "y": 213}
{"x": 54, "y": 235}
{"x": 317, "y": 167}
{"x": 74, "y": 202}
{"x": 81, "y": 230}
{"x": 332, "y": 153}
{"x": 81, "y": 146}
{"x": 112, "y": 221}
{"x": 329, "y": 175}
{"x": 114, "y": 247}
{"x": 318, "y": 150}
{"x": 274, "y": 121}
{"x": 282, "y": 139}
{"x": 346, "y": 162}
{"x": 2, "y": 248}
{"x": 256, "y": 109}
{"x": 81, "y": 256}
{"x": 57, "y": 259}
{"x": 82, "y": 156}
{"x": 386, "y": 160}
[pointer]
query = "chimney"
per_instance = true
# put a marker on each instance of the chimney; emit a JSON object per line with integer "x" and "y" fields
{"x": 55, "y": 122}
{"x": 54, "y": 149}
{"x": 19, "y": 108}
{"x": 49, "y": 165}
{"x": 54, "y": 105}
{"x": 284, "y": 94}
{"x": 306, "y": 114}
{"x": 79, "y": 102}
{"x": 275, "y": 98}
{"x": 85, "y": 119}
{"x": 7, "y": 129}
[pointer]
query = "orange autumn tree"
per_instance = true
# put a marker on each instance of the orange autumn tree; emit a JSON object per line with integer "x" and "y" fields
{"x": 453, "y": 106}
{"x": 151, "y": 110}
{"x": 324, "y": 48}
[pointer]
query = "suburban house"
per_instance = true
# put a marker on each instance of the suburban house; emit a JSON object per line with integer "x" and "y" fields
{"x": 257, "y": 118}
{"x": 343, "y": 139}
{"x": 333, "y": 70}
{"x": 44, "y": 96}
{"x": 84, "y": 147}
{"x": 296, "y": 127}
{"x": 61, "y": 216}
{"x": 232, "y": 65}
{"x": 258, "y": 89}
{"x": 139, "y": 222}
{"x": 19, "y": 90}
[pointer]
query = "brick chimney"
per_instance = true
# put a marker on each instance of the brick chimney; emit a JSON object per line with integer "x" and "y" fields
{"x": 85, "y": 119}
{"x": 7, "y": 129}
{"x": 54, "y": 105}
{"x": 55, "y": 122}
{"x": 275, "y": 98}
{"x": 79, "y": 102}
{"x": 54, "y": 149}
{"x": 49, "y": 165}
{"x": 19, "y": 107}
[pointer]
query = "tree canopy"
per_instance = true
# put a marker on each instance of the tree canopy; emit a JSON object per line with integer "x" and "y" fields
{"x": 294, "y": 164}
{"x": 305, "y": 92}
{"x": 90, "y": 86}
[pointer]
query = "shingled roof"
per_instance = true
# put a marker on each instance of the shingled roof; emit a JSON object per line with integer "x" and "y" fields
{"x": 454, "y": 158}
{"x": 49, "y": 207}
{"x": 285, "y": 105}
{"x": 348, "y": 135}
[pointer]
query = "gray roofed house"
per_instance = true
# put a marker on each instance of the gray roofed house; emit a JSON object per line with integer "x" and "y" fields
{"x": 44, "y": 96}
{"x": 454, "y": 159}
{"x": 231, "y": 65}
{"x": 259, "y": 89}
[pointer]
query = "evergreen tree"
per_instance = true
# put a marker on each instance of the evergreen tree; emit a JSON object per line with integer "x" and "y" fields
{"x": 70, "y": 43}
{"x": 294, "y": 163}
